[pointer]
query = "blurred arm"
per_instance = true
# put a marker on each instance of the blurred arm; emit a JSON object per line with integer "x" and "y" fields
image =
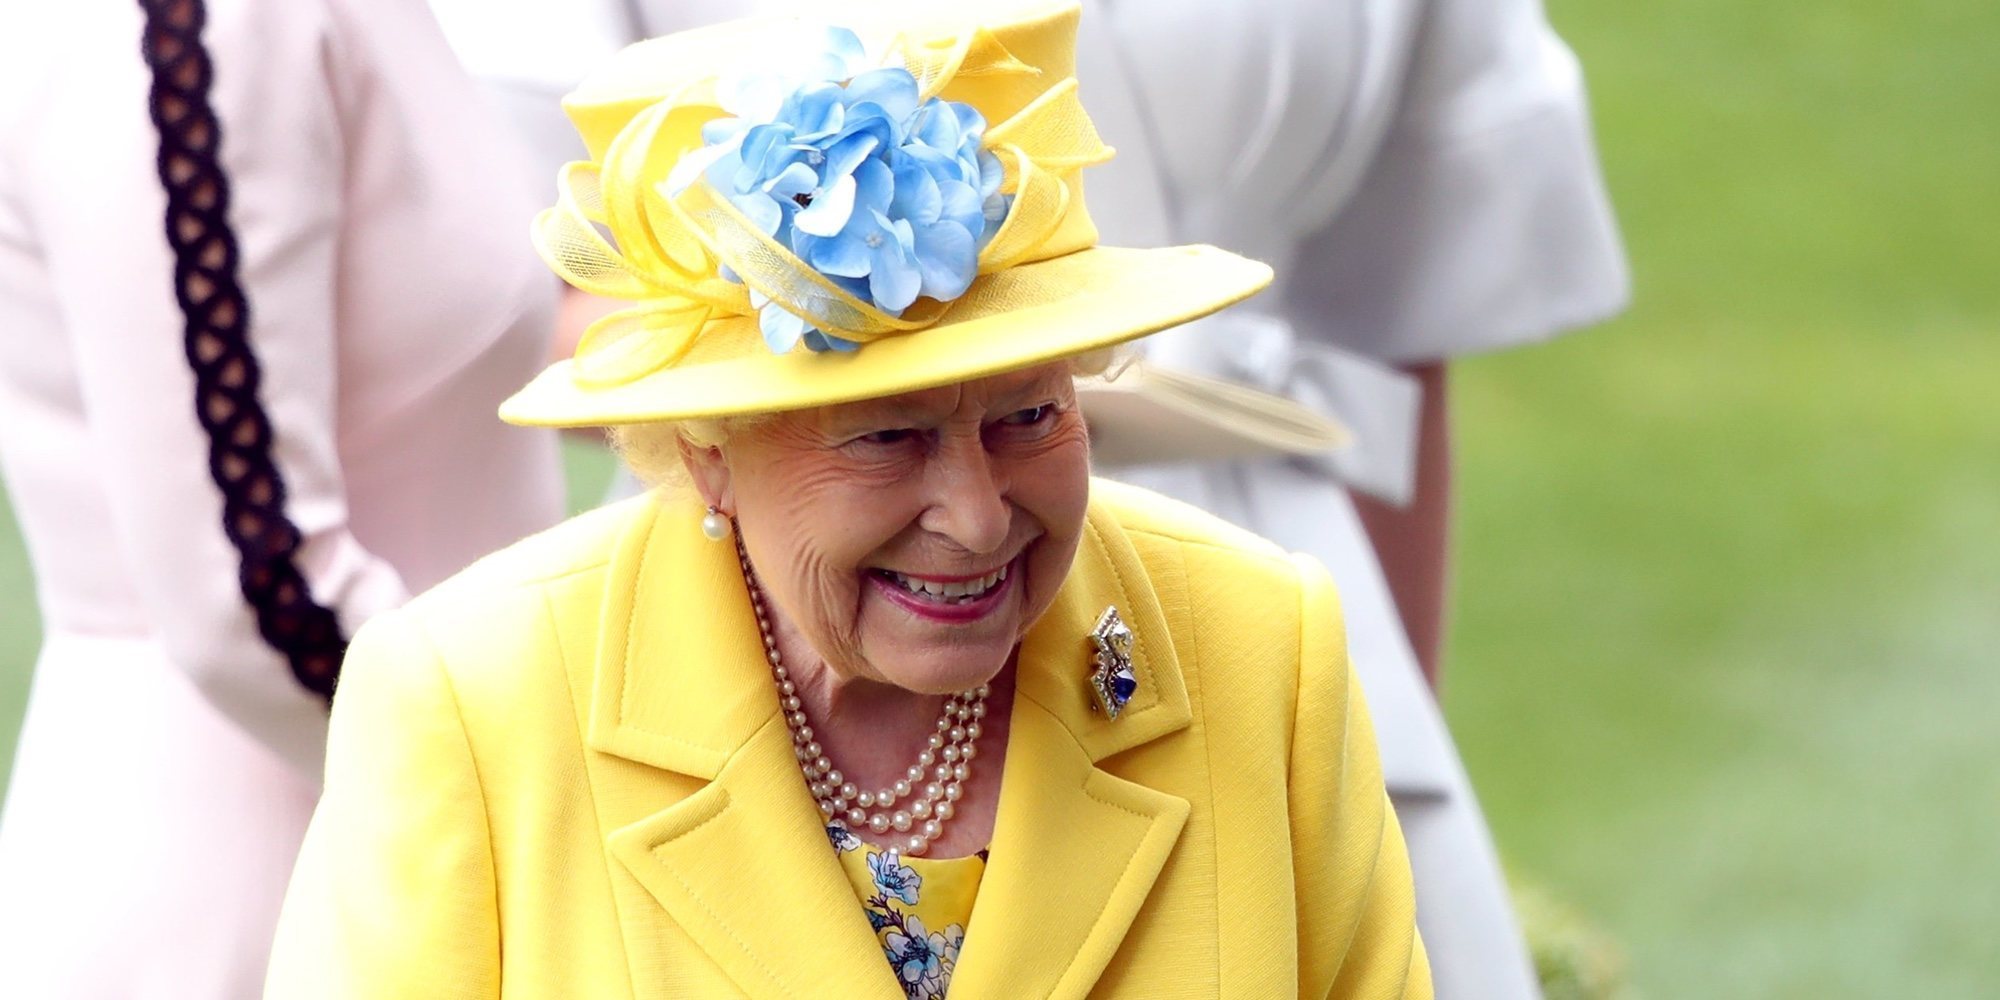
{"x": 1482, "y": 220}
{"x": 1481, "y": 223}
{"x": 1413, "y": 540}
{"x": 579, "y": 309}
{"x": 99, "y": 208}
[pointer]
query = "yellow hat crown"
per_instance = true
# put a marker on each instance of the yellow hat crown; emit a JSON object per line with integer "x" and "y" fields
{"x": 661, "y": 217}
{"x": 712, "y": 194}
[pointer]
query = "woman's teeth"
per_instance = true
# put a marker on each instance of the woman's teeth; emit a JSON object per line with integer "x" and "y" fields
{"x": 959, "y": 592}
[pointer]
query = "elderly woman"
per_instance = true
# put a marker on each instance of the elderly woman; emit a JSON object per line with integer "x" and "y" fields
{"x": 883, "y": 696}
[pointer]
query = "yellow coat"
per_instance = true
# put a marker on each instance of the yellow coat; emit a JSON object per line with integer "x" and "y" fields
{"x": 563, "y": 775}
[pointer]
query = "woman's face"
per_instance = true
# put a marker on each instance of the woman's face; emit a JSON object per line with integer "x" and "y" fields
{"x": 913, "y": 539}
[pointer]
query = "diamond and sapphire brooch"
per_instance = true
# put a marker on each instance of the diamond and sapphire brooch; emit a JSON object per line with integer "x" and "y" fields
{"x": 1111, "y": 677}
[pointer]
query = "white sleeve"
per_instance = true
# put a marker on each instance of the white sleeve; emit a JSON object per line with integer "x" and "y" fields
{"x": 1482, "y": 221}
{"x": 100, "y": 210}
{"x": 527, "y": 54}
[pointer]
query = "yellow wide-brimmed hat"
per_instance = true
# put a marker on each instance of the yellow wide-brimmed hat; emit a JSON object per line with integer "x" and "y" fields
{"x": 803, "y": 218}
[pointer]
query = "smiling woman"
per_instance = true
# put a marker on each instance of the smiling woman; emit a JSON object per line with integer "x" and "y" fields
{"x": 936, "y": 487}
{"x": 906, "y": 544}
{"x": 881, "y": 649}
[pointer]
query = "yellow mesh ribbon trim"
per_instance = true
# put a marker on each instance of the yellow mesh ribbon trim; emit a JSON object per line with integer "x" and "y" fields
{"x": 774, "y": 271}
{"x": 637, "y": 342}
{"x": 568, "y": 240}
{"x": 1055, "y": 130}
{"x": 635, "y": 154}
{"x": 935, "y": 62}
{"x": 1041, "y": 199}
{"x": 668, "y": 249}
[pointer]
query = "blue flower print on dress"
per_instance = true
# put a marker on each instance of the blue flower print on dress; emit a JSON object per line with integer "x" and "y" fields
{"x": 918, "y": 958}
{"x": 922, "y": 960}
{"x": 888, "y": 196}
{"x": 843, "y": 839}
{"x": 893, "y": 878}
{"x": 954, "y": 939}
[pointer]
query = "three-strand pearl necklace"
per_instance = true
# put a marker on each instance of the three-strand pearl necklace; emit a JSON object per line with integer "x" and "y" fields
{"x": 923, "y": 800}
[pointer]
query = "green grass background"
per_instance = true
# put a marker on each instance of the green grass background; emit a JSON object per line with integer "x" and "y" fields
{"x": 1726, "y": 660}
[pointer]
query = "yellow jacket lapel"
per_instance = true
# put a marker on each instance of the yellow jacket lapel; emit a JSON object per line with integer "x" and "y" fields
{"x": 1077, "y": 849}
{"x": 1075, "y": 854}
{"x": 742, "y": 865}
{"x": 681, "y": 681}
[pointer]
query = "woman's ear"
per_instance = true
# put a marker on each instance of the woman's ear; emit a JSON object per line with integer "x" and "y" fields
{"x": 710, "y": 473}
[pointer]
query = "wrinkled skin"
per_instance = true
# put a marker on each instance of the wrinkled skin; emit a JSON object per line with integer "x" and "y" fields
{"x": 950, "y": 482}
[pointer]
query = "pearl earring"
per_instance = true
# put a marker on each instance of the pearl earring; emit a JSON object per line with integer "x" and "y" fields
{"x": 715, "y": 525}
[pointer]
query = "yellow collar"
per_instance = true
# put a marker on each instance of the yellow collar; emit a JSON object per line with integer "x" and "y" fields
{"x": 743, "y": 865}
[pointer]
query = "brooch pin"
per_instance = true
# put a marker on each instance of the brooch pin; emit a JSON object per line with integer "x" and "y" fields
{"x": 1111, "y": 677}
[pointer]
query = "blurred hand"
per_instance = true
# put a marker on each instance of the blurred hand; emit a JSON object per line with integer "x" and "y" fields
{"x": 1413, "y": 542}
{"x": 577, "y": 311}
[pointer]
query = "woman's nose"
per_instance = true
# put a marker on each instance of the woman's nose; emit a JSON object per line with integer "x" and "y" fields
{"x": 968, "y": 499}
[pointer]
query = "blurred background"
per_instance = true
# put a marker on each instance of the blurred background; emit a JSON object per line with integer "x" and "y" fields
{"x": 1725, "y": 652}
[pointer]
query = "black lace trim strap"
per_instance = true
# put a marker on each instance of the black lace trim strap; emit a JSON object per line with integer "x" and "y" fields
{"x": 217, "y": 321}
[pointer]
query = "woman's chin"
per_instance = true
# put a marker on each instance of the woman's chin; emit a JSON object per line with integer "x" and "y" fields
{"x": 931, "y": 669}
{"x": 938, "y": 649}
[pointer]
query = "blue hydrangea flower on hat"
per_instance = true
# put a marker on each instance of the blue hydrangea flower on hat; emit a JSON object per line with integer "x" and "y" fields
{"x": 889, "y": 195}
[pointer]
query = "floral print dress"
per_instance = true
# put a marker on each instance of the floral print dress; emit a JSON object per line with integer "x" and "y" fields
{"x": 918, "y": 907}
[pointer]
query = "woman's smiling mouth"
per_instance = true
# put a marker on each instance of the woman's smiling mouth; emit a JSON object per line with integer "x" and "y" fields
{"x": 954, "y": 599}
{"x": 950, "y": 590}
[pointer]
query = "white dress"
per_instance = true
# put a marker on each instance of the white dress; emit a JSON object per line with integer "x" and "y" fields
{"x": 1421, "y": 175}
{"x": 169, "y": 761}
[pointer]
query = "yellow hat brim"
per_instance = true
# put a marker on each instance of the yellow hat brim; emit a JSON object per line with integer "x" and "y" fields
{"x": 1017, "y": 318}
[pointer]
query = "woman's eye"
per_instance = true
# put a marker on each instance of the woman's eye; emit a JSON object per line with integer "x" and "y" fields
{"x": 895, "y": 436}
{"x": 1029, "y": 417}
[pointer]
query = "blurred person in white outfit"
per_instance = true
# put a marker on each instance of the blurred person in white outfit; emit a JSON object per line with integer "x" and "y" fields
{"x": 170, "y": 759}
{"x": 1422, "y": 178}
{"x": 1421, "y": 175}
